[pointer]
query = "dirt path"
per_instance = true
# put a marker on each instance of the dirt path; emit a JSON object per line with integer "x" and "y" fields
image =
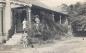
{"x": 75, "y": 45}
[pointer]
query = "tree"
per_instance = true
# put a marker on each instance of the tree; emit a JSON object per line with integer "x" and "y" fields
{"x": 77, "y": 14}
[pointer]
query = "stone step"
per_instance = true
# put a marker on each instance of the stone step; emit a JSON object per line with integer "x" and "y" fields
{"x": 16, "y": 38}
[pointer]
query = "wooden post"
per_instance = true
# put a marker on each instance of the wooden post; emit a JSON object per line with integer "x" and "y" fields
{"x": 29, "y": 11}
{"x": 66, "y": 21}
{"x": 70, "y": 30}
{"x": 29, "y": 15}
{"x": 60, "y": 19}
{"x": 53, "y": 16}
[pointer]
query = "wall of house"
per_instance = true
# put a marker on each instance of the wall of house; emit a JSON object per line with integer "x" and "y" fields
{"x": 6, "y": 17}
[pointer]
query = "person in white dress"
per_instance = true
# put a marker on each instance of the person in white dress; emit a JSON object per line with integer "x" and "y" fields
{"x": 24, "y": 25}
{"x": 25, "y": 36}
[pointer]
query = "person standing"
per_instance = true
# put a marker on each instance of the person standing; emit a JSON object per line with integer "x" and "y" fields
{"x": 25, "y": 36}
{"x": 37, "y": 20}
{"x": 24, "y": 25}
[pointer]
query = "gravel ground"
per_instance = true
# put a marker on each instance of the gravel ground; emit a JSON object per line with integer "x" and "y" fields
{"x": 74, "y": 45}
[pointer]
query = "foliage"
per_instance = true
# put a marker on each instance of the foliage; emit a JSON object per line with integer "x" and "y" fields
{"x": 77, "y": 12}
{"x": 48, "y": 30}
{"x": 77, "y": 15}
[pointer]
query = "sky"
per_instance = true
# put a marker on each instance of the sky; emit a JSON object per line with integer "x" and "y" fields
{"x": 54, "y": 3}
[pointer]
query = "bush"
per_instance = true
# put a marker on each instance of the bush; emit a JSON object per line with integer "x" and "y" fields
{"x": 45, "y": 32}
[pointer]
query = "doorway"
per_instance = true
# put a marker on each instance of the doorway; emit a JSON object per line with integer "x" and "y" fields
{"x": 19, "y": 14}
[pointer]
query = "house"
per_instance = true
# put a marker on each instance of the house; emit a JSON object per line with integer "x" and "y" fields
{"x": 13, "y": 12}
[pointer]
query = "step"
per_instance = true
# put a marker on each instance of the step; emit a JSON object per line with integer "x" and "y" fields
{"x": 16, "y": 38}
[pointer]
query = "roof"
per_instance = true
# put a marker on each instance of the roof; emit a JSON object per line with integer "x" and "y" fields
{"x": 40, "y": 4}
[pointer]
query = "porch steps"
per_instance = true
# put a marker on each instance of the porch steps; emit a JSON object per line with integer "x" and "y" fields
{"x": 15, "y": 40}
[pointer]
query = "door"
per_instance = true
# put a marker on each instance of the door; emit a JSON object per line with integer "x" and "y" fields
{"x": 19, "y": 14}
